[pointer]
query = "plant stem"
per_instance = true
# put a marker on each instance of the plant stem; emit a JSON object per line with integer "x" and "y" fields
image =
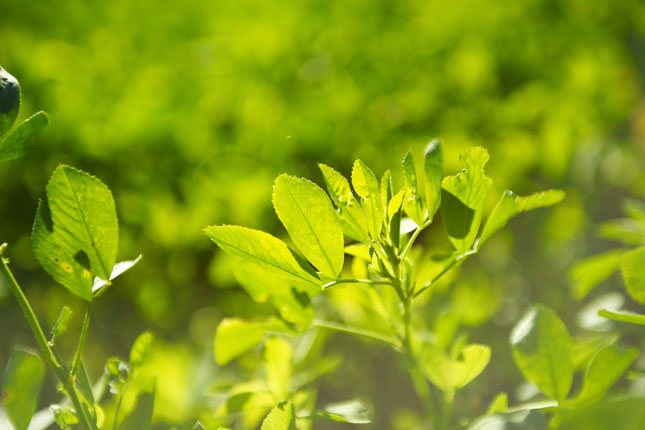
{"x": 418, "y": 380}
{"x": 414, "y": 236}
{"x": 445, "y": 270}
{"x": 48, "y": 353}
{"x": 355, "y": 281}
{"x": 359, "y": 332}
{"x": 81, "y": 341}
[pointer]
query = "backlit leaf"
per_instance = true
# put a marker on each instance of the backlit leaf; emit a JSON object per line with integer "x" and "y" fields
{"x": 543, "y": 351}
{"x": 433, "y": 167}
{"x": 351, "y": 214}
{"x": 633, "y": 269}
{"x": 450, "y": 374}
{"x": 623, "y": 316}
{"x": 309, "y": 217}
{"x": 21, "y": 387}
{"x": 413, "y": 203}
{"x": 234, "y": 337}
{"x": 352, "y": 411}
{"x": 588, "y": 273}
{"x": 367, "y": 187}
{"x": 282, "y": 417}
{"x": 470, "y": 187}
{"x": 140, "y": 417}
{"x": 76, "y": 232}
{"x": 262, "y": 249}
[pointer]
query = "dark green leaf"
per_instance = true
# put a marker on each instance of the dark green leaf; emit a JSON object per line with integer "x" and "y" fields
{"x": 458, "y": 217}
{"x": 13, "y": 145}
{"x": 76, "y": 232}
{"x": 9, "y": 101}
{"x": 21, "y": 387}
{"x": 625, "y": 413}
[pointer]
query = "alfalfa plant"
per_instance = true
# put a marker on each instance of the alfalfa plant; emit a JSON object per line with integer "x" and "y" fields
{"x": 377, "y": 225}
{"x": 75, "y": 239}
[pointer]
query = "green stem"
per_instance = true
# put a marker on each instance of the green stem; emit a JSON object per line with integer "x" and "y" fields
{"x": 48, "y": 353}
{"x": 445, "y": 270}
{"x": 359, "y": 332}
{"x": 355, "y": 281}
{"x": 81, "y": 341}
{"x": 413, "y": 238}
{"x": 418, "y": 380}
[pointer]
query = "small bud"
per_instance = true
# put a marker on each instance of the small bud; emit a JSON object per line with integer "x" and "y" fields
{"x": 9, "y": 101}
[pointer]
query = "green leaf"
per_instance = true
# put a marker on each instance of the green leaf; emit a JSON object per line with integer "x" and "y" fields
{"x": 140, "y": 417}
{"x": 84, "y": 383}
{"x": 387, "y": 189}
{"x": 366, "y": 186}
{"x": 543, "y": 351}
{"x": 306, "y": 212}
{"x": 510, "y": 205}
{"x": 352, "y": 411}
{"x": 471, "y": 187}
{"x": 624, "y": 413}
{"x": 633, "y": 269}
{"x": 499, "y": 404}
{"x": 394, "y": 217}
{"x": 119, "y": 269}
{"x": 520, "y": 420}
{"x": 277, "y": 362}
{"x": 13, "y": 145}
{"x": 21, "y": 387}
{"x": 458, "y": 217}
{"x": 62, "y": 322}
{"x": 450, "y": 374}
{"x": 76, "y": 232}
{"x": 607, "y": 366}
{"x": 234, "y": 337}
{"x": 9, "y": 101}
{"x": 413, "y": 204}
{"x": 351, "y": 214}
{"x": 588, "y": 273}
{"x": 293, "y": 302}
{"x": 262, "y": 249}
{"x": 433, "y": 167}
{"x": 282, "y": 417}
{"x": 623, "y": 316}
{"x": 140, "y": 349}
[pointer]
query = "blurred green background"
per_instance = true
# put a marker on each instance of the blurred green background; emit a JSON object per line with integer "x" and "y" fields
{"x": 188, "y": 110}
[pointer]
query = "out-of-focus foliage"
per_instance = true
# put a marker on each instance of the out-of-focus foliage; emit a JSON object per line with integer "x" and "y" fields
{"x": 188, "y": 110}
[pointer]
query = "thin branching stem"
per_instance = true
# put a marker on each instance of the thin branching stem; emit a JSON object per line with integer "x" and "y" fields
{"x": 48, "y": 353}
{"x": 457, "y": 259}
{"x": 81, "y": 341}
{"x": 413, "y": 238}
{"x": 381, "y": 337}
{"x": 355, "y": 281}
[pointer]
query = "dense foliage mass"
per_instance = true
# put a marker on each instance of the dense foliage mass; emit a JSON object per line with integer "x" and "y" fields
{"x": 188, "y": 113}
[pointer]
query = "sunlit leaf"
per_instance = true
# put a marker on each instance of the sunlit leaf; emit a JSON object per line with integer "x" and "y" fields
{"x": 499, "y": 404}
{"x": 433, "y": 167}
{"x": 588, "y": 273}
{"x": 367, "y": 187}
{"x": 308, "y": 215}
{"x": 140, "y": 349}
{"x": 282, "y": 417}
{"x": 262, "y": 249}
{"x": 623, "y": 316}
{"x": 607, "y": 366}
{"x": 62, "y": 322}
{"x": 76, "y": 232}
{"x": 351, "y": 214}
{"x": 21, "y": 384}
{"x": 510, "y": 205}
{"x": 633, "y": 268}
{"x": 352, "y": 411}
{"x": 234, "y": 337}
{"x": 413, "y": 203}
{"x": 470, "y": 187}
{"x": 450, "y": 374}
{"x": 119, "y": 269}
{"x": 277, "y": 362}
{"x": 543, "y": 349}
{"x": 140, "y": 417}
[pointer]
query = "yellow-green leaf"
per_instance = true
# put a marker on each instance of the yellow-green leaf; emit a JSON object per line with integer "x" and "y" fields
{"x": 367, "y": 187}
